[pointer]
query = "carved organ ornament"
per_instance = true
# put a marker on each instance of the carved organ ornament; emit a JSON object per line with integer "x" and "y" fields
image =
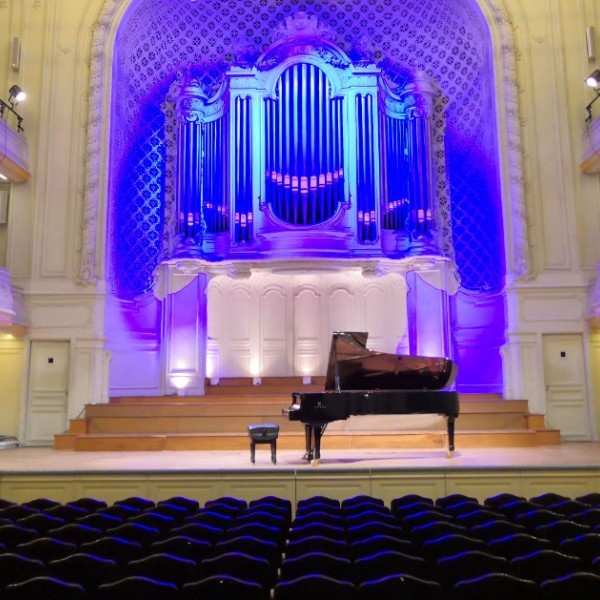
{"x": 302, "y": 151}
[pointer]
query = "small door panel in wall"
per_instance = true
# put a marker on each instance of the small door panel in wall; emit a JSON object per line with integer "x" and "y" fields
{"x": 273, "y": 332}
{"x": 46, "y": 412}
{"x": 566, "y": 393}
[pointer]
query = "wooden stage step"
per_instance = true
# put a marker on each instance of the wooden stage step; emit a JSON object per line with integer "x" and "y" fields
{"x": 219, "y": 420}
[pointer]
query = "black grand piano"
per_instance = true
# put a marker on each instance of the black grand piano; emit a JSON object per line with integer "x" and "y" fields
{"x": 360, "y": 381}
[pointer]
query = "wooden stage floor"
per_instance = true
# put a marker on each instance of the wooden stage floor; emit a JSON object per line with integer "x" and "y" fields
{"x": 570, "y": 468}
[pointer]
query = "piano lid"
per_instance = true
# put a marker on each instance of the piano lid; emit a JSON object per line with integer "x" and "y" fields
{"x": 352, "y": 366}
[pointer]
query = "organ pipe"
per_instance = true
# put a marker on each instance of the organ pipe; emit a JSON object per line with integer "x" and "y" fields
{"x": 304, "y": 174}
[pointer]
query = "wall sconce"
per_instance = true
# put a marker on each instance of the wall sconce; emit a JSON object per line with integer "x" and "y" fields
{"x": 15, "y": 95}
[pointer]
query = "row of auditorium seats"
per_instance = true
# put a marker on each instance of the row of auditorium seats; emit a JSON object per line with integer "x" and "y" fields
{"x": 454, "y": 548}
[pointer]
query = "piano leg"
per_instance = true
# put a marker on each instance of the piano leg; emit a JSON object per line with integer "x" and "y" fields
{"x": 451, "y": 436}
{"x": 308, "y": 434}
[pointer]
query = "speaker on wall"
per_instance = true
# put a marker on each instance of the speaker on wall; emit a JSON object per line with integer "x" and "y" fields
{"x": 15, "y": 54}
{"x": 590, "y": 39}
{"x": 3, "y": 207}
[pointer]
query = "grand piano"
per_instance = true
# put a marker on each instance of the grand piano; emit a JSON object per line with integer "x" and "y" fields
{"x": 360, "y": 381}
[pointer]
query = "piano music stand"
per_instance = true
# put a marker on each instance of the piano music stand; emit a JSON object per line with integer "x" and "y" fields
{"x": 263, "y": 433}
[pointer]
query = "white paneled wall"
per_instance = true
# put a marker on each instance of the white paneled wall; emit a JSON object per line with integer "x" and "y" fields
{"x": 280, "y": 324}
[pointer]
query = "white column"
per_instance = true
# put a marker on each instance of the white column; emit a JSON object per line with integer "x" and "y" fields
{"x": 184, "y": 331}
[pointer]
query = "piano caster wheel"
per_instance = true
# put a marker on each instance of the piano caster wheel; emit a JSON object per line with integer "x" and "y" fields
{"x": 450, "y": 454}
{"x": 314, "y": 462}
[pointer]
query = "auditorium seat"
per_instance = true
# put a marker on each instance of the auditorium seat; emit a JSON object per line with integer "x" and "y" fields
{"x": 586, "y": 547}
{"x": 355, "y": 533}
{"x": 452, "y": 499}
{"x": 496, "y": 586}
{"x": 262, "y": 517}
{"x": 518, "y": 544}
{"x": 317, "y": 500}
{"x": 258, "y": 530}
{"x": 495, "y": 502}
{"x": 130, "y": 588}
{"x": 496, "y": 529}
{"x": 400, "y": 587}
{"x": 252, "y": 546}
{"x": 539, "y": 516}
{"x": 436, "y": 529}
{"x": 177, "y": 513}
{"x": 451, "y": 544}
{"x": 4, "y": 503}
{"x": 183, "y": 547}
{"x": 589, "y": 516}
{"x": 41, "y": 504}
{"x": 315, "y": 586}
{"x": 223, "y": 587}
{"x": 404, "y": 510}
{"x": 137, "y": 502}
{"x": 360, "y": 499}
{"x": 238, "y": 503}
{"x": 67, "y": 512}
{"x": 580, "y": 585}
{"x": 45, "y": 549}
{"x": 409, "y": 499}
{"x": 90, "y": 504}
{"x": 198, "y": 531}
{"x": 271, "y": 500}
{"x": 319, "y": 563}
{"x": 121, "y": 511}
{"x": 548, "y": 498}
{"x": 323, "y": 507}
{"x": 134, "y": 532}
{"x": 316, "y": 543}
{"x": 240, "y": 565}
{"x": 318, "y": 516}
{"x": 99, "y": 521}
{"x": 161, "y": 523}
{"x": 423, "y": 517}
{"x": 517, "y": 507}
{"x": 190, "y": 505}
{"x": 76, "y": 533}
{"x": 477, "y": 517}
{"x": 593, "y": 499}
{"x": 544, "y": 564}
{"x": 41, "y": 522}
{"x": 13, "y": 535}
{"x": 568, "y": 507}
{"x": 464, "y": 507}
{"x": 165, "y": 568}
{"x": 386, "y": 563}
{"x": 267, "y": 505}
{"x": 561, "y": 530}
{"x": 114, "y": 548}
{"x": 15, "y": 568}
{"x": 85, "y": 569}
{"x": 378, "y": 543}
{"x": 370, "y": 516}
{"x": 466, "y": 565}
{"x": 17, "y": 511}
{"x": 317, "y": 528}
{"x": 208, "y": 517}
{"x": 43, "y": 588}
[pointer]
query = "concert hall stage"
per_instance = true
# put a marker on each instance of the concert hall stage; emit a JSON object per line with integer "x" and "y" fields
{"x": 570, "y": 468}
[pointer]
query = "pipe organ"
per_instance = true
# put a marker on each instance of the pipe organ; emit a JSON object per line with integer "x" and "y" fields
{"x": 303, "y": 152}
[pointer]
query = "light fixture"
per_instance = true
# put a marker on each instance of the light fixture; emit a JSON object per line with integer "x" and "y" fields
{"x": 593, "y": 81}
{"x": 16, "y": 95}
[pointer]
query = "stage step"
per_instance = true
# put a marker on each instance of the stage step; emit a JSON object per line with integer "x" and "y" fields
{"x": 219, "y": 420}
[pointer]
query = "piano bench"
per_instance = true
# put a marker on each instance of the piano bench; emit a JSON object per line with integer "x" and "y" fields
{"x": 263, "y": 433}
